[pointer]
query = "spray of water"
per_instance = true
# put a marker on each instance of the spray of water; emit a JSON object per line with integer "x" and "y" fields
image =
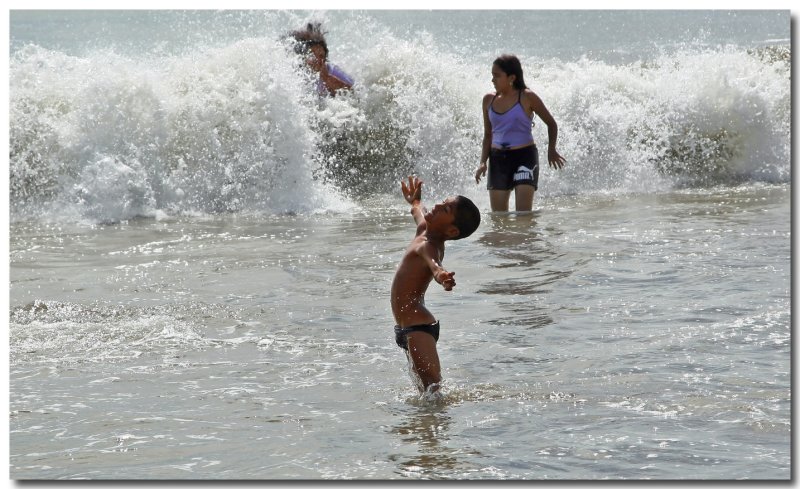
{"x": 236, "y": 128}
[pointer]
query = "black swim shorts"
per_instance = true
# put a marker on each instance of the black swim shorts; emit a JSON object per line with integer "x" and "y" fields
{"x": 400, "y": 333}
{"x": 511, "y": 167}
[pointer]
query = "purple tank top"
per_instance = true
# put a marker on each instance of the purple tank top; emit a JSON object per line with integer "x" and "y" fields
{"x": 512, "y": 127}
{"x": 338, "y": 73}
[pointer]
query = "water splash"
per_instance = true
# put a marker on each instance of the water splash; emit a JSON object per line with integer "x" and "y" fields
{"x": 106, "y": 137}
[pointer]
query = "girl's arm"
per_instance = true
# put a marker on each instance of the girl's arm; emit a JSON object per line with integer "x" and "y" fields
{"x": 486, "y": 146}
{"x": 535, "y": 104}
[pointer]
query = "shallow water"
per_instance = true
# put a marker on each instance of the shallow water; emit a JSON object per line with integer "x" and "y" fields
{"x": 640, "y": 336}
{"x": 201, "y": 249}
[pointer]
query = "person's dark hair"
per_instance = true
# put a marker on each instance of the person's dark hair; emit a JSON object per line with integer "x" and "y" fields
{"x": 510, "y": 65}
{"x": 468, "y": 217}
{"x": 312, "y": 35}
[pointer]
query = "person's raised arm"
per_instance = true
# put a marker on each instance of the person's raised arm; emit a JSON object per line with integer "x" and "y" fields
{"x": 413, "y": 195}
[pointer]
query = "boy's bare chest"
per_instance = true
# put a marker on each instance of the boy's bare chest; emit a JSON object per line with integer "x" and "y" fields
{"x": 421, "y": 247}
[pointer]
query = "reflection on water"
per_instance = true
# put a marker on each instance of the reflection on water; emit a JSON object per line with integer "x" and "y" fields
{"x": 426, "y": 429}
{"x": 525, "y": 315}
{"x": 514, "y": 238}
{"x": 530, "y": 267}
{"x": 510, "y": 231}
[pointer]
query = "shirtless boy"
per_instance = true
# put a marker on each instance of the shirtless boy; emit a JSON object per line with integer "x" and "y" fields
{"x": 417, "y": 330}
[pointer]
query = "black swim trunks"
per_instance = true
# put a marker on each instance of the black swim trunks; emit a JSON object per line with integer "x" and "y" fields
{"x": 400, "y": 333}
{"x": 511, "y": 167}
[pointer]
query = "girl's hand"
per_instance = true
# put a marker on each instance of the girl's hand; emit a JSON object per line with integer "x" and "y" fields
{"x": 481, "y": 171}
{"x": 556, "y": 160}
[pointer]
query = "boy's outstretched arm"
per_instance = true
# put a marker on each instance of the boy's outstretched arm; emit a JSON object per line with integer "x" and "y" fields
{"x": 413, "y": 195}
{"x": 442, "y": 276}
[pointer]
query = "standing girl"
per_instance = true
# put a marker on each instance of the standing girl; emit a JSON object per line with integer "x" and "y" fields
{"x": 507, "y": 140}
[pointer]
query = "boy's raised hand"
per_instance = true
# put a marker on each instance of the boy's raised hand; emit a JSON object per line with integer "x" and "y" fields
{"x": 413, "y": 191}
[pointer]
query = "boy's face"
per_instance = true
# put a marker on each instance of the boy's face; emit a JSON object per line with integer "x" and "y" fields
{"x": 440, "y": 218}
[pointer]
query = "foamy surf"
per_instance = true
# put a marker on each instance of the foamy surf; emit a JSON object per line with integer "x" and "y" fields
{"x": 106, "y": 137}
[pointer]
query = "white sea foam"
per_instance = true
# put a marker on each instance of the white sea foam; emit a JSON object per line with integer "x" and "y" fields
{"x": 234, "y": 128}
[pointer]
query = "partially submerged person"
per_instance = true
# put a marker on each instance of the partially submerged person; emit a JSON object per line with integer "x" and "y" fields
{"x": 508, "y": 143}
{"x": 310, "y": 42}
{"x": 416, "y": 329}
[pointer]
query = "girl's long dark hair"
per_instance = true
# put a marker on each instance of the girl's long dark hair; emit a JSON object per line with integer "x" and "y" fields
{"x": 510, "y": 65}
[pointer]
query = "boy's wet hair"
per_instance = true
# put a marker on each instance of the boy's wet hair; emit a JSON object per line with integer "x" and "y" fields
{"x": 467, "y": 218}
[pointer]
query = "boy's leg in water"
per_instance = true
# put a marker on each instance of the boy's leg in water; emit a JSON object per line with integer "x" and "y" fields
{"x": 424, "y": 359}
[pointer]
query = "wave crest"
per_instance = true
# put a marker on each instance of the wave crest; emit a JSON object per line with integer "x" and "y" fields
{"x": 238, "y": 129}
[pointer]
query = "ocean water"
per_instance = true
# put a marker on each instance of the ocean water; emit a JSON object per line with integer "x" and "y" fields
{"x": 201, "y": 250}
